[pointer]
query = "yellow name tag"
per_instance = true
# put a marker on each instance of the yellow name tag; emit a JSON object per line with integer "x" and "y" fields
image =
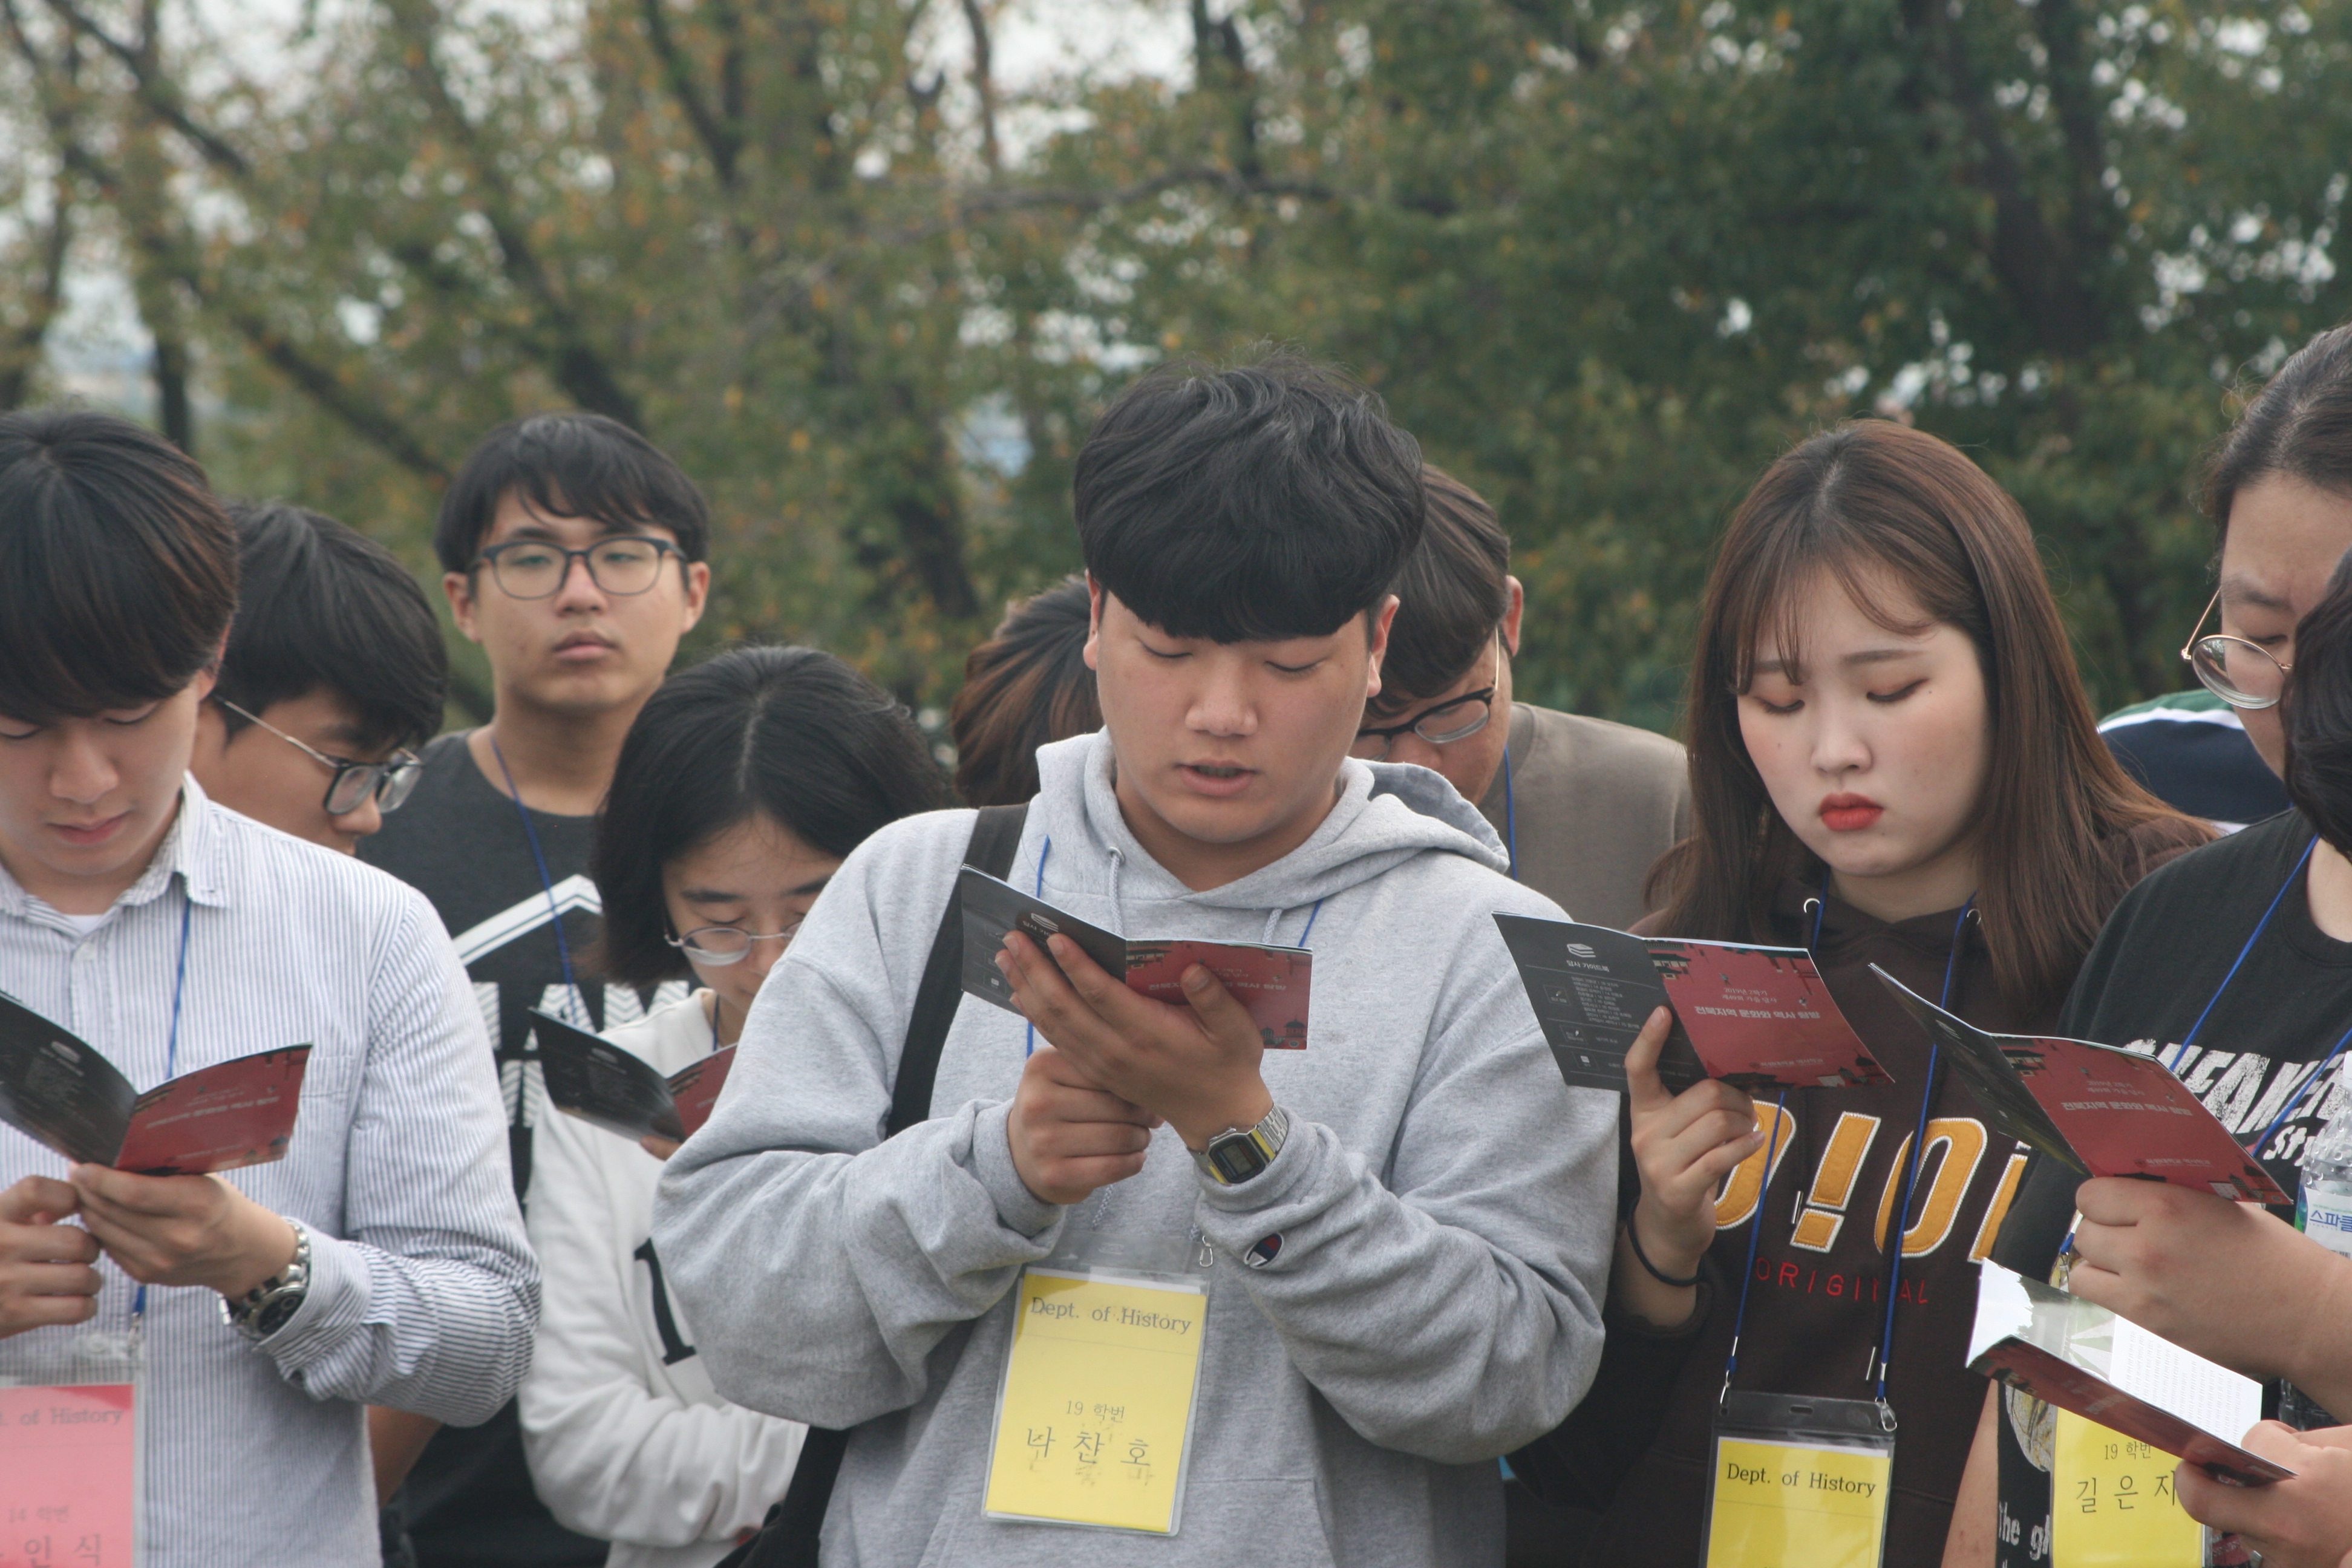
{"x": 2111, "y": 1503}
{"x": 1097, "y": 1408}
{"x": 1781, "y": 1503}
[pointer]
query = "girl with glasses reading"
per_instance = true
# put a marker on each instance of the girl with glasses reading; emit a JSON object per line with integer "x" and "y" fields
{"x": 1892, "y": 763}
{"x": 743, "y": 783}
{"x": 2235, "y": 963}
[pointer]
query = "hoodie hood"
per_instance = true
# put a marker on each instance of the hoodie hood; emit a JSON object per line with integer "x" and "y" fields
{"x": 1387, "y": 812}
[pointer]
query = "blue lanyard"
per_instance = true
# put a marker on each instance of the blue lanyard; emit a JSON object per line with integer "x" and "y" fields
{"x": 573, "y": 1001}
{"x": 2180, "y": 1052}
{"x": 1510, "y": 811}
{"x": 1880, "y": 1354}
{"x": 171, "y": 1049}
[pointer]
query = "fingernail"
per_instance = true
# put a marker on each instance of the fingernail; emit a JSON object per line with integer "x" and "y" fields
{"x": 1196, "y": 979}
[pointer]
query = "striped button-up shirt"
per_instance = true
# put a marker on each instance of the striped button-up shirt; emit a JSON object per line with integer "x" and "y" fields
{"x": 424, "y": 1294}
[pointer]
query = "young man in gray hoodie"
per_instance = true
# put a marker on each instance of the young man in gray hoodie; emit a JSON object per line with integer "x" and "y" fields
{"x": 1408, "y": 1287}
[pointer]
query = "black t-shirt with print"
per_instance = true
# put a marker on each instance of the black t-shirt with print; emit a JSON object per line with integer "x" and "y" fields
{"x": 2160, "y": 959}
{"x": 460, "y": 842}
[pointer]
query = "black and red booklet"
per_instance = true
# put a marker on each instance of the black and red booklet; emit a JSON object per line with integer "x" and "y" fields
{"x": 2065, "y": 1352}
{"x": 58, "y": 1090}
{"x": 1756, "y": 1017}
{"x": 591, "y": 1078}
{"x": 1271, "y": 982}
{"x": 2098, "y": 1110}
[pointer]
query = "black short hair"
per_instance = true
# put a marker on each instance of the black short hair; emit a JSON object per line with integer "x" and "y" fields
{"x": 790, "y": 733}
{"x": 2299, "y": 426}
{"x": 118, "y": 569}
{"x": 324, "y": 605}
{"x": 1268, "y": 501}
{"x": 1026, "y": 685}
{"x": 1452, "y": 596}
{"x": 569, "y": 464}
{"x": 2316, "y": 714}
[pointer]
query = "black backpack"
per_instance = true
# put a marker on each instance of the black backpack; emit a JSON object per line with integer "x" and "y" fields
{"x": 788, "y": 1537}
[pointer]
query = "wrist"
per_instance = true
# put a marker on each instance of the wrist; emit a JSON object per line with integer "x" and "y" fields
{"x": 1671, "y": 1249}
{"x": 268, "y": 1249}
{"x": 1244, "y": 1109}
{"x": 2317, "y": 1356}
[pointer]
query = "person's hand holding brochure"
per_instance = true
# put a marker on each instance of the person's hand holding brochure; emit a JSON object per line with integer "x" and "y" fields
{"x": 2099, "y": 1109}
{"x": 1756, "y": 1017}
{"x": 2068, "y": 1352}
{"x": 57, "y": 1090}
{"x": 591, "y": 1078}
{"x": 1271, "y": 983}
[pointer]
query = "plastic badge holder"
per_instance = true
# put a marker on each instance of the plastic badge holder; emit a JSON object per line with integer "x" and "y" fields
{"x": 1097, "y": 1407}
{"x": 69, "y": 1463}
{"x": 1797, "y": 1479}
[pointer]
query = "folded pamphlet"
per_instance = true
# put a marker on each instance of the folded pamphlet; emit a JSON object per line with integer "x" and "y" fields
{"x": 591, "y": 1078}
{"x": 2064, "y": 1350}
{"x": 1756, "y": 1017}
{"x": 60, "y": 1090}
{"x": 2098, "y": 1110}
{"x": 1271, "y": 982}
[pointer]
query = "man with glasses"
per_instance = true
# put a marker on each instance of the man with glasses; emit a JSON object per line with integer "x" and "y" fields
{"x": 1584, "y": 805}
{"x": 334, "y": 671}
{"x": 573, "y": 551}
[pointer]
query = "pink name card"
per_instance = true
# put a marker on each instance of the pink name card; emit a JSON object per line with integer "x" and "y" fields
{"x": 68, "y": 1461}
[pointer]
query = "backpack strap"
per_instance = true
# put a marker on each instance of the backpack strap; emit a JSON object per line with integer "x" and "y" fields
{"x": 788, "y": 1539}
{"x": 995, "y": 836}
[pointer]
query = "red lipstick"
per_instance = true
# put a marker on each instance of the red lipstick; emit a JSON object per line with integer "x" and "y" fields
{"x": 1850, "y": 813}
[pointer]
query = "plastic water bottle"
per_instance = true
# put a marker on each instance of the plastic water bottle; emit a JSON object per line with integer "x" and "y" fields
{"x": 2328, "y": 1186}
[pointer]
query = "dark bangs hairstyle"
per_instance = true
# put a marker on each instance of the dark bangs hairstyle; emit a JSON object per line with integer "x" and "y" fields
{"x": 2298, "y": 427}
{"x": 1025, "y": 687}
{"x": 788, "y": 734}
{"x": 118, "y": 568}
{"x": 1451, "y": 595}
{"x": 569, "y": 464}
{"x": 2316, "y": 714}
{"x": 1268, "y": 501}
{"x": 323, "y": 605}
{"x": 1879, "y": 506}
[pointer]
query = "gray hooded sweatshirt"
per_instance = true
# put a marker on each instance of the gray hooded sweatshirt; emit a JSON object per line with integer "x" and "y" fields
{"x": 1445, "y": 1203}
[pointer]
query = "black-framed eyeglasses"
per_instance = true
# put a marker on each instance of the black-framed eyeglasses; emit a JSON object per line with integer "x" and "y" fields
{"x": 391, "y": 781}
{"x": 534, "y": 568}
{"x": 2241, "y": 673}
{"x": 1455, "y": 719}
{"x": 721, "y": 945}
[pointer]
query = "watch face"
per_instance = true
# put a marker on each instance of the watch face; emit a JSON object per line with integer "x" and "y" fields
{"x": 275, "y": 1315}
{"x": 1237, "y": 1159}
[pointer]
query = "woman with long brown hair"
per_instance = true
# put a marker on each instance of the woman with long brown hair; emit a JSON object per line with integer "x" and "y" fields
{"x": 1892, "y": 763}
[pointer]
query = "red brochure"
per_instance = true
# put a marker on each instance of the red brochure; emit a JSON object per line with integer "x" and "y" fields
{"x": 58, "y": 1090}
{"x": 590, "y": 1077}
{"x": 2065, "y": 1352}
{"x": 1271, "y": 982}
{"x": 2097, "y": 1108}
{"x": 1756, "y": 1017}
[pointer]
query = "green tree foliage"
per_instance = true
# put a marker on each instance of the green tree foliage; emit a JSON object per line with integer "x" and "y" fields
{"x": 1604, "y": 261}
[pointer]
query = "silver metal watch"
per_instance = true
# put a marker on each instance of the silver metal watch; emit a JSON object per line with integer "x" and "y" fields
{"x": 1237, "y": 1153}
{"x": 271, "y": 1305}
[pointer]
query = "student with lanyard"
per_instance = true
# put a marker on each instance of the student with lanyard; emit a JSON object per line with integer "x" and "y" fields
{"x": 573, "y": 550}
{"x": 2235, "y": 963}
{"x": 382, "y": 1258}
{"x": 743, "y": 783}
{"x": 1584, "y": 806}
{"x": 1892, "y": 763}
{"x": 1392, "y": 1241}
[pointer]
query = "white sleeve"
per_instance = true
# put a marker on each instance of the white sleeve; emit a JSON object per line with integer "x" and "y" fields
{"x": 612, "y": 1454}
